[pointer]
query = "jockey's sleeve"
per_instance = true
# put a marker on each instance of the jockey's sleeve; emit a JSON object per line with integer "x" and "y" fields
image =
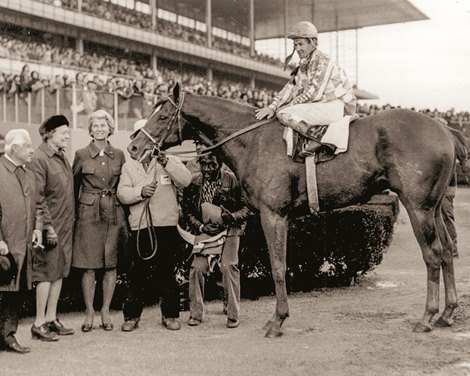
{"x": 318, "y": 74}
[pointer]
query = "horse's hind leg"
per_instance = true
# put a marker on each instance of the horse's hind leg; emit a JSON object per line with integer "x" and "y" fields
{"x": 275, "y": 230}
{"x": 447, "y": 265}
{"x": 424, "y": 228}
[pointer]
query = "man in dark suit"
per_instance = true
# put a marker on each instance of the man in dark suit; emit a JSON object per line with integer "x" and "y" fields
{"x": 20, "y": 231}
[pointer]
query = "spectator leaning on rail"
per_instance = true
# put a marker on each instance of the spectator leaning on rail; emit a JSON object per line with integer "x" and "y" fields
{"x": 100, "y": 227}
{"x": 20, "y": 231}
{"x": 318, "y": 93}
{"x": 54, "y": 182}
{"x": 150, "y": 190}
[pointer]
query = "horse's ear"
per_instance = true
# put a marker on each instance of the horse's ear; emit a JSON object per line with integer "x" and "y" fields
{"x": 176, "y": 92}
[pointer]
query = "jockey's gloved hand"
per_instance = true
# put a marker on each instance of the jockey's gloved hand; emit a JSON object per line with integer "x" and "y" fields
{"x": 227, "y": 217}
{"x": 51, "y": 236}
{"x": 212, "y": 228}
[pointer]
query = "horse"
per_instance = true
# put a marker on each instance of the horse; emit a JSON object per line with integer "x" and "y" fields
{"x": 400, "y": 150}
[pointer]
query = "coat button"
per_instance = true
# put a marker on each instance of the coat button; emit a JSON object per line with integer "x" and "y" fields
{"x": 103, "y": 163}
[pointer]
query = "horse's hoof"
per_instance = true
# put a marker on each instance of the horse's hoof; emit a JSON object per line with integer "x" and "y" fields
{"x": 268, "y": 325}
{"x": 273, "y": 332}
{"x": 443, "y": 323}
{"x": 422, "y": 328}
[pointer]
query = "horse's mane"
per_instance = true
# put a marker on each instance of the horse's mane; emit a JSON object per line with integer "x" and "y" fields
{"x": 228, "y": 104}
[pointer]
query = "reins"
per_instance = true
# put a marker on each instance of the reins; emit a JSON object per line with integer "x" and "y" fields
{"x": 225, "y": 140}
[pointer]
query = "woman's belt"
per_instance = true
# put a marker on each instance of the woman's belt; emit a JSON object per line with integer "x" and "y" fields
{"x": 103, "y": 193}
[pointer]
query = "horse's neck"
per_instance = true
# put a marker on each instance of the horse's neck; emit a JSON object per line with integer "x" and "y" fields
{"x": 217, "y": 120}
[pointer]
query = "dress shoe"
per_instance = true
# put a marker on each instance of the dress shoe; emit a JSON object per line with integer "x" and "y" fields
{"x": 43, "y": 333}
{"x": 171, "y": 323}
{"x": 231, "y": 323}
{"x": 108, "y": 326}
{"x": 57, "y": 327}
{"x": 194, "y": 322}
{"x": 16, "y": 347}
{"x": 87, "y": 325}
{"x": 130, "y": 325}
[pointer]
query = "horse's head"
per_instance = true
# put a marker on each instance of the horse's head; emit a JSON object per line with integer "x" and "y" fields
{"x": 163, "y": 128}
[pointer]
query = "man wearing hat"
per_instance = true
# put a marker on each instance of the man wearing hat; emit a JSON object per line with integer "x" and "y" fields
{"x": 318, "y": 94}
{"x": 20, "y": 231}
{"x": 150, "y": 189}
{"x": 54, "y": 183}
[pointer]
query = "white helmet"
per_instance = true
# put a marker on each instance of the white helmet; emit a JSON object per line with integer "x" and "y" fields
{"x": 303, "y": 29}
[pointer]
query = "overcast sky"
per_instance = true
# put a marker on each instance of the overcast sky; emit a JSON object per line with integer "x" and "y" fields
{"x": 422, "y": 64}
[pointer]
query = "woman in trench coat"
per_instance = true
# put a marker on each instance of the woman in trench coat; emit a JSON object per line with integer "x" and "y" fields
{"x": 54, "y": 183}
{"x": 100, "y": 227}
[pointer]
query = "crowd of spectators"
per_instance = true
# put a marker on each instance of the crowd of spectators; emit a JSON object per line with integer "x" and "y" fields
{"x": 121, "y": 14}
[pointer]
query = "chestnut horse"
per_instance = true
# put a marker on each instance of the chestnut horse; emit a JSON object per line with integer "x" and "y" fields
{"x": 404, "y": 151}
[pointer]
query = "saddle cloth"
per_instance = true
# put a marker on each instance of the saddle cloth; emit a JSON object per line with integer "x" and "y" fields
{"x": 335, "y": 136}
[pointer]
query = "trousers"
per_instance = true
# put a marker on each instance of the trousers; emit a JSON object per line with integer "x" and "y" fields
{"x": 230, "y": 280}
{"x": 300, "y": 117}
{"x": 161, "y": 266}
{"x": 10, "y": 305}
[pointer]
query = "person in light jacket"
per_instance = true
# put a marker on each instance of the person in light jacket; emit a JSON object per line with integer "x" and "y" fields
{"x": 150, "y": 190}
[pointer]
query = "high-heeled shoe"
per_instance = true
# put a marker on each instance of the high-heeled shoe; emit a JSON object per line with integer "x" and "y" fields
{"x": 87, "y": 325}
{"x": 106, "y": 324}
{"x": 43, "y": 333}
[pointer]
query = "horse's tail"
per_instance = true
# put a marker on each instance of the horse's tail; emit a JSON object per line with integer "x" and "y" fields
{"x": 460, "y": 143}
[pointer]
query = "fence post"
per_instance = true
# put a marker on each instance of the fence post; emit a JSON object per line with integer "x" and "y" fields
{"x": 29, "y": 107}
{"x": 116, "y": 113}
{"x": 74, "y": 106}
{"x": 16, "y": 107}
{"x": 4, "y": 99}
{"x": 43, "y": 104}
{"x": 57, "y": 101}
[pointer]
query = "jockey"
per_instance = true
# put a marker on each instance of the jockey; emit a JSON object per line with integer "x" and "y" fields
{"x": 318, "y": 94}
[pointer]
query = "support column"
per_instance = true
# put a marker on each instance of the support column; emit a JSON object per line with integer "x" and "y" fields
{"x": 286, "y": 25}
{"x": 209, "y": 22}
{"x": 79, "y": 5}
{"x": 252, "y": 81}
{"x": 357, "y": 57}
{"x": 153, "y": 14}
{"x": 153, "y": 60}
{"x": 79, "y": 44}
{"x": 252, "y": 28}
{"x": 210, "y": 74}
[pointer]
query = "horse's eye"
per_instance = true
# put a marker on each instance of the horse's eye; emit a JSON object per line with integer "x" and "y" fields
{"x": 163, "y": 117}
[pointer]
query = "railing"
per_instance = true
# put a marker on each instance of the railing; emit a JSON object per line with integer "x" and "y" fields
{"x": 74, "y": 103}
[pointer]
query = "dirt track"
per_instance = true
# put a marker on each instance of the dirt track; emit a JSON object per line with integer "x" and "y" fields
{"x": 362, "y": 330}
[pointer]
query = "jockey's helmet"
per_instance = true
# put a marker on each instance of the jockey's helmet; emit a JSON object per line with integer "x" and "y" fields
{"x": 303, "y": 29}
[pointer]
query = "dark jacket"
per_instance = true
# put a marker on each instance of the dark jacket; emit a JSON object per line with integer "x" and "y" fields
{"x": 19, "y": 216}
{"x": 54, "y": 182}
{"x": 101, "y": 227}
{"x": 228, "y": 195}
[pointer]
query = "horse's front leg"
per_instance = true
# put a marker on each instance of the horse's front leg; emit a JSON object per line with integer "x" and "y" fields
{"x": 275, "y": 230}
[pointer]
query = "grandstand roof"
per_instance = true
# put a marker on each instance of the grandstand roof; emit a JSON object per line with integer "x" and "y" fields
{"x": 327, "y": 15}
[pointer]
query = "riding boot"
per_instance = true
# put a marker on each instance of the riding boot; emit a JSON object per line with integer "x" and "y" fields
{"x": 311, "y": 136}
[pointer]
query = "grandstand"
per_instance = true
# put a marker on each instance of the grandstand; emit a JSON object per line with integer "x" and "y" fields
{"x": 122, "y": 55}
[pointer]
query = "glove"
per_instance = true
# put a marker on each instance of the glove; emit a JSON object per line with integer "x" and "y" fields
{"x": 51, "y": 237}
{"x": 212, "y": 229}
{"x": 3, "y": 248}
{"x": 228, "y": 218}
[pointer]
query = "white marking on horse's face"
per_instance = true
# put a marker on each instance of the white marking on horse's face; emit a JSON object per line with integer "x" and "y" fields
{"x": 158, "y": 108}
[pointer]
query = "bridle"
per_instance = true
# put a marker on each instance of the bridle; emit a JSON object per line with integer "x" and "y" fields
{"x": 174, "y": 119}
